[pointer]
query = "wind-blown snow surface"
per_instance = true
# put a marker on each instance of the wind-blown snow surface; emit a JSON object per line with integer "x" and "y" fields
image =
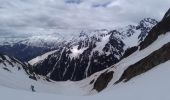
{"x": 153, "y": 85}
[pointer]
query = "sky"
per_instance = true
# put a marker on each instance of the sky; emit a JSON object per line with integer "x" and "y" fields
{"x": 73, "y": 16}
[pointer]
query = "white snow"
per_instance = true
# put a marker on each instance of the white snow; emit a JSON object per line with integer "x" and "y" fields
{"x": 153, "y": 85}
{"x": 75, "y": 52}
{"x": 17, "y": 79}
{"x": 132, "y": 40}
{"x": 40, "y": 58}
{"x": 100, "y": 45}
{"x": 129, "y": 41}
{"x": 138, "y": 55}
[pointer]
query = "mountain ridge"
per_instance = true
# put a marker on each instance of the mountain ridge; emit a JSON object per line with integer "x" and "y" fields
{"x": 80, "y": 57}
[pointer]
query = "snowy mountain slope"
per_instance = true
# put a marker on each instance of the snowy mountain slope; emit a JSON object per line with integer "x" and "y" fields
{"x": 80, "y": 58}
{"x": 118, "y": 71}
{"x": 141, "y": 88}
{"x": 17, "y": 75}
{"x": 40, "y": 58}
{"x": 156, "y": 52}
{"x": 119, "y": 68}
{"x": 11, "y": 64}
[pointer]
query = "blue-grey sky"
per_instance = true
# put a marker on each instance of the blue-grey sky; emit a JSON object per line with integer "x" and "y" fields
{"x": 71, "y": 16}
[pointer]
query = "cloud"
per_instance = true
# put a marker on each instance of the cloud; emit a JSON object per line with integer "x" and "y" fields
{"x": 73, "y": 1}
{"x": 72, "y": 16}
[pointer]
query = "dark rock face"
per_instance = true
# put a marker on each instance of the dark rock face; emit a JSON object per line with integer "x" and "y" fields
{"x": 161, "y": 28}
{"x": 129, "y": 51}
{"x": 103, "y": 80}
{"x": 61, "y": 67}
{"x": 2, "y": 57}
{"x": 160, "y": 56}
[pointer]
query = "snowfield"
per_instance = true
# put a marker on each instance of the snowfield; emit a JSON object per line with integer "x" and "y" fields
{"x": 153, "y": 85}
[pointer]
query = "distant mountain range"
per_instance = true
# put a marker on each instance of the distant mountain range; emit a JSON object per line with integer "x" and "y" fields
{"x": 28, "y": 47}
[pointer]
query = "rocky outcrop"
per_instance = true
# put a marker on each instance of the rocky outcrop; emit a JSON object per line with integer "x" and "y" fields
{"x": 129, "y": 51}
{"x": 103, "y": 80}
{"x": 156, "y": 58}
{"x": 161, "y": 28}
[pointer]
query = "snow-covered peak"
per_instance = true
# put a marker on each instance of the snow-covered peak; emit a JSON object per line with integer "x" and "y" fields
{"x": 148, "y": 22}
{"x": 132, "y": 35}
{"x": 93, "y": 32}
